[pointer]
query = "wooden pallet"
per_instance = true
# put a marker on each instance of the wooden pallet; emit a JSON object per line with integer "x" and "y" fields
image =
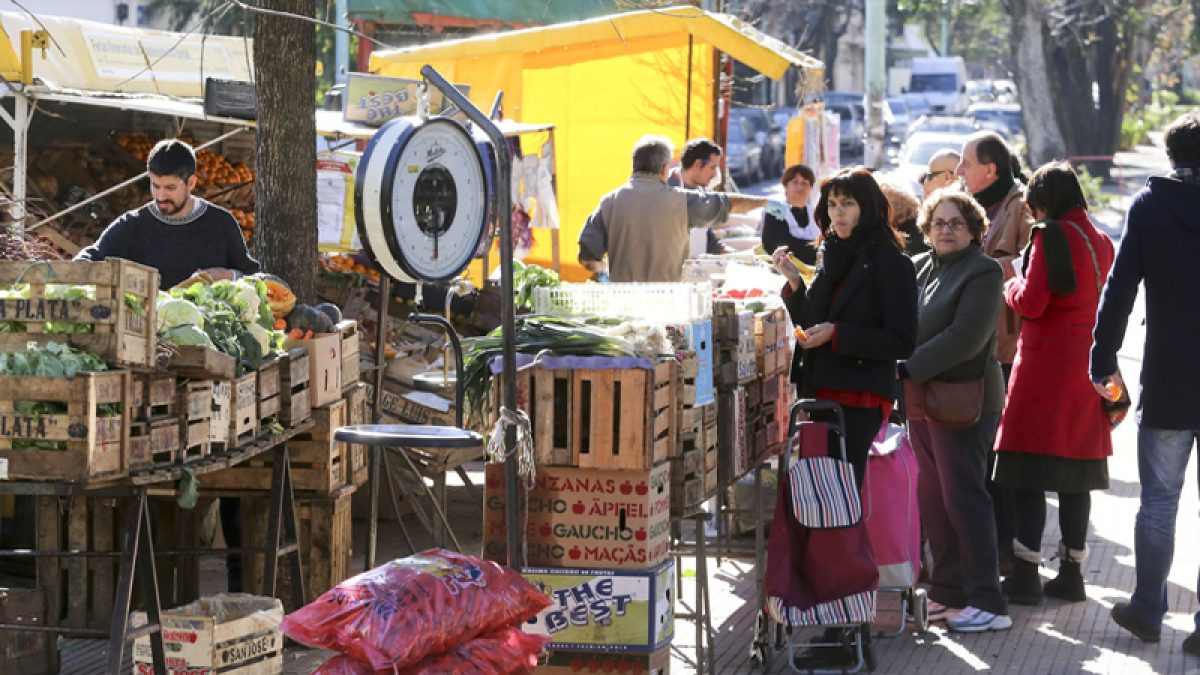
{"x": 79, "y": 590}
{"x": 119, "y": 334}
{"x": 95, "y": 449}
{"x": 623, "y": 417}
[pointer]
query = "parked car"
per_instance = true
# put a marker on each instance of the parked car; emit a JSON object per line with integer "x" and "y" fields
{"x": 833, "y": 98}
{"x": 766, "y": 134}
{"x": 743, "y": 155}
{"x": 919, "y": 147}
{"x": 851, "y": 129}
{"x": 942, "y": 124}
{"x": 895, "y": 120}
{"x": 1006, "y": 117}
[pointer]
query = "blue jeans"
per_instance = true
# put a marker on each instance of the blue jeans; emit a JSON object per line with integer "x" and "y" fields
{"x": 1163, "y": 456}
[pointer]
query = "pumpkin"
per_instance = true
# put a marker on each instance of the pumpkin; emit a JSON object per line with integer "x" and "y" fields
{"x": 279, "y": 295}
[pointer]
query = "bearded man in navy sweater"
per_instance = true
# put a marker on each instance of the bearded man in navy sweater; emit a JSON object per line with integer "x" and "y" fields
{"x": 177, "y": 233}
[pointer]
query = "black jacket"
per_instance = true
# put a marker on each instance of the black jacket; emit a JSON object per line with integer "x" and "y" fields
{"x": 1159, "y": 246}
{"x": 875, "y": 310}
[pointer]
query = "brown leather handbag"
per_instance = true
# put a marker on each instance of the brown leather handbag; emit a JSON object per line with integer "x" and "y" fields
{"x": 957, "y": 405}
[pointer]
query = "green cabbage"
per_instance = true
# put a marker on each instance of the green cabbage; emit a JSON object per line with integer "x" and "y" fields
{"x": 173, "y": 312}
{"x": 187, "y": 334}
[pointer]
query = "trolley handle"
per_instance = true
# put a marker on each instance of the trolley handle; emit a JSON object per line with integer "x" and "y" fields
{"x": 810, "y": 405}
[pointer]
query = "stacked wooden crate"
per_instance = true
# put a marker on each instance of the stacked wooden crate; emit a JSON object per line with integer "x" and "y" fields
{"x": 155, "y": 428}
{"x": 693, "y": 456}
{"x": 599, "y": 511}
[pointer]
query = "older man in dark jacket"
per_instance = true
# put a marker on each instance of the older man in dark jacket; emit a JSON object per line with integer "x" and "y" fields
{"x": 1160, "y": 246}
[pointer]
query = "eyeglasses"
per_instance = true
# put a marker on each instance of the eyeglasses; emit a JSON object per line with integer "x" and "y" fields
{"x": 934, "y": 174}
{"x": 954, "y": 225}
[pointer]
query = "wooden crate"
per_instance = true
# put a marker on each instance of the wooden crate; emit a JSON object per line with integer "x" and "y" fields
{"x": 325, "y": 540}
{"x": 686, "y": 495}
{"x": 97, "y": 448}
{"x": 268, "y": 387}
{"x": 317, "y": 461}
{"x": 771, "y": 331}
{"x": 350, "y": 347}
{"x": 151, "y": 396}
{"x": 546, "y": 396}
{"x": 356, "y": 413}
{"x": 623, "y": 417}
{"x": 243, "y": 410}
{"x": 120, "y": 335}
{"x": 202, "y": 362}
{"x": 242, "y": 639}
{"x": 79, "y": 590}
{"x": 196, "y": 411}
{"x": 155, "y": 443}
{"x": 219, "y": 421}
{"x": 26, "y": 652}
{"x": 294, "y": 403}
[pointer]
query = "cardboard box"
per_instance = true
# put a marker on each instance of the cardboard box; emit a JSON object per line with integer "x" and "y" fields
{"x": 605, "y": 610}
{"x": 585, "y": 517}
{"x": 398, "y": 407}
{"x": 325, "y": 367}
{"x": 562, "y": 662}
{"x": 247, "y": 642}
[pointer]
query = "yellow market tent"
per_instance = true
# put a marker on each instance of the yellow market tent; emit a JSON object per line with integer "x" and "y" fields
{"x": 603, "y": 83}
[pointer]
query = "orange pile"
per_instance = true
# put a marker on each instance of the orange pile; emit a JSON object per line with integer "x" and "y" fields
{"x": 347, "y": 263}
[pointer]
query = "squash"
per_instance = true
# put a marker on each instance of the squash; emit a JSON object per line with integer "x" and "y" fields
{"x": 279, "y": 295}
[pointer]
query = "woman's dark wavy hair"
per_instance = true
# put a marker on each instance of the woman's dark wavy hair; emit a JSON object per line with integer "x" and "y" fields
{"x": 872, "y": 204}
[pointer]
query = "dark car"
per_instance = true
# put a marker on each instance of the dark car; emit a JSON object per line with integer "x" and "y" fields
{"x": 766, "y": 134}
{"x": 743, "y": 155}
{"x": 851, "y": 129}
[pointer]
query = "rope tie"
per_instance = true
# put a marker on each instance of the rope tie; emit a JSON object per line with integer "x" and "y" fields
{"x": 526, "y": 470}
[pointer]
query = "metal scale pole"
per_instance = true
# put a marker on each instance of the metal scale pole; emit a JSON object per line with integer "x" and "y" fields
{"x": 516, "y": 549}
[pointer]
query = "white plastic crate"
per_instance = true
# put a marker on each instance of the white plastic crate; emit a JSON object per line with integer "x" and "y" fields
{"x": 664, "y": 303}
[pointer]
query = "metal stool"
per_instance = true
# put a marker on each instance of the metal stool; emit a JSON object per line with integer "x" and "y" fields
{"x": 398, "y": 438}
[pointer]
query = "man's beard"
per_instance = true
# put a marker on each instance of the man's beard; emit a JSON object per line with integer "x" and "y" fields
{"x": 171, "y": 208}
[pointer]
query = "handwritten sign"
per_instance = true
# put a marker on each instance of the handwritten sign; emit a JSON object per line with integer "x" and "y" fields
{"x": 372, "y": 99}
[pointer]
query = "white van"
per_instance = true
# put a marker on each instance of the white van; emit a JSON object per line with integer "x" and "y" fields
{"x": 938, "y": 84}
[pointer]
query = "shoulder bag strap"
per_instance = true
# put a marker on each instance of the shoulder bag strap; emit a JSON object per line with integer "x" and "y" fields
{"x": 1092, "y": 250}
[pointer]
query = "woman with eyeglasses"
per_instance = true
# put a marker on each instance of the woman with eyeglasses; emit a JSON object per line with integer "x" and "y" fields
{"x": 959, "y": 309}
{"x": 794, "y": 226}
{"x": 1056, "y": 291}
{"x": 859, "y": 317}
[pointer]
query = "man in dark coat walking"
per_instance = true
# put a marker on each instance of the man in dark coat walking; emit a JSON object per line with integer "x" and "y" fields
{"x": 1160, "y": 246}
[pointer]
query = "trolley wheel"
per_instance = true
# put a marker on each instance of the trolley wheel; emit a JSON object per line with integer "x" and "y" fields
{"x": 868, "y": 652}
{"x": 762, "y": 626}
{"x": 759, "y": 658}
{"x": 919, "y": 601}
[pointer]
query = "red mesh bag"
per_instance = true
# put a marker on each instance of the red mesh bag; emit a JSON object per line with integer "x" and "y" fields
{"x": 507, "y": 652}
{"x": 397, "y": 614}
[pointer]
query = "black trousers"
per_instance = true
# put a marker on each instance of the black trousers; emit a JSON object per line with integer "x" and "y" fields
{"x": 862, "y": 425}
{"x": 1074, "y": 511}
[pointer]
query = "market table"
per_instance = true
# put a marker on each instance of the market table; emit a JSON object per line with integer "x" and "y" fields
{"x": 136, "y": 549}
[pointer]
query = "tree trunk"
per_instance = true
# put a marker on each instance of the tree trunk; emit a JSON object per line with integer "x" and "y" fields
{"x": 1042, "y": 131}
{"x": 285, "y": 239}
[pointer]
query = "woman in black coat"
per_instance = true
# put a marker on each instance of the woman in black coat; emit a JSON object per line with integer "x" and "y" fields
{"x": 860, "y": 314}
{"x": 793, "y": 227}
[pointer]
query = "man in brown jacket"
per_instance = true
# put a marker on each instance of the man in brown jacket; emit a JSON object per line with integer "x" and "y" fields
{"x": 642, "y": 226}
{"x": 986, "y": 171}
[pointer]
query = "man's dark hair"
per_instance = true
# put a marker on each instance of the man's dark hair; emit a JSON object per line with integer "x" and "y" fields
{"x": 652, "y": 154}
{"x": 990, "y": 148}
{"x": 698, "y": 149}
{"x": 791, "y": 172}
{"x": 1183, "y": 139}
{"x": 1054, "y": 189}
{"x": 172, "y": 157}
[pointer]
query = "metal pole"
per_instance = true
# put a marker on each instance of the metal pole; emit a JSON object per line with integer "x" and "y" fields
{"x": 374, "y": 458}
{"x": 341, "y": 43}
{"x": 20, "y": 161}
{"x": 876, "y": 39}
{"x": 131, "y": 181}
{"x": 945, "y": 28}
{"x": 516, "y": 549}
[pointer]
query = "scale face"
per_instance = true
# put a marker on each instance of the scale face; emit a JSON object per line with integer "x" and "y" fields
{"x": 422, "y": 198}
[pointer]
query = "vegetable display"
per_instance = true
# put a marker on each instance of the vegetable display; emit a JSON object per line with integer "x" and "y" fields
{"x": 528, "y": 277}
{"x": 234, "y": 317}
{"x": 53, "y": 359}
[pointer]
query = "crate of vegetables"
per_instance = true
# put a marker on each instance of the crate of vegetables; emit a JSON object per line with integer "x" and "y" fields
{"x": 106, "y": 308}
{"x": 222, "y": 329}
{"x": 63, "y": 416}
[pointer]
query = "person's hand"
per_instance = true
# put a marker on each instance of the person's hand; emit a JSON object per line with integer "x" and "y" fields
{"x": 1106, "y": 387}
{"x": 776, "y": 209}
{"x": 784, "y": 265}
{"x": 220, "y": 273}
{"x": 818, "y": 335}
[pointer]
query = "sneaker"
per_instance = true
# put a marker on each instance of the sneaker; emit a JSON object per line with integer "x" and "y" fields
{"x": 1191, "y": 643}
{"x": 1122, "y": 614}
{"x": 975, "y": 620}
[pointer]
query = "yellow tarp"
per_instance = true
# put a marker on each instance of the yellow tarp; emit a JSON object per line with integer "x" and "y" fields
{"x": 603, "y": 83}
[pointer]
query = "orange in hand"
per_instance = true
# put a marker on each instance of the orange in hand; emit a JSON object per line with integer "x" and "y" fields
{"x": 1114, "y": 390}
{"x": 800, "y": 334}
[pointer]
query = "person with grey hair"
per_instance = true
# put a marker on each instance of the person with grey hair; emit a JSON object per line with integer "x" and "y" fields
{"x": 642, "y": 226}
{"x": 939, "y": 172}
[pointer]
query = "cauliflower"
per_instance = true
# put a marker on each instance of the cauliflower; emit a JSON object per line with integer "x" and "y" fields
{"x": 262, "y": 335}
{"x": 174, "y": 312}
{"x": 246, "y": 300}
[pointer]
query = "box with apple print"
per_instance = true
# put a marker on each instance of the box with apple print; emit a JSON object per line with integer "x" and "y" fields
{"x": 585, "y": 517}
{"x": 605, "y": 610}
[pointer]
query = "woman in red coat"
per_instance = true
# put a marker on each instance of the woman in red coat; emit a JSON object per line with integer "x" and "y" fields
{"x": 1054, "y": 435}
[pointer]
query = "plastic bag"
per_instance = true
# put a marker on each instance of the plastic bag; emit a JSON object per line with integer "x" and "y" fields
{"x": 508, "y": 652}
{"x": 429, "y": 603}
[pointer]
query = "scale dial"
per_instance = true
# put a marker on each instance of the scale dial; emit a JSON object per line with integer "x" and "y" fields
{"x": 422, "y": 199}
